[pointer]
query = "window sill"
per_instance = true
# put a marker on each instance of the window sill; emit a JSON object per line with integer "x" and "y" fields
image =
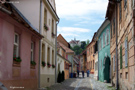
{"x": 32, "y": 66}
{"x": 16, "y": 64}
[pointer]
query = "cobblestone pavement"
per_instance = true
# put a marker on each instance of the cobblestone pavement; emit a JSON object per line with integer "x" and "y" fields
{"x": 87, "y": 83}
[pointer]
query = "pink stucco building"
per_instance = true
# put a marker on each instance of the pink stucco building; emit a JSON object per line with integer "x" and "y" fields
{"x": 18, "y": 38}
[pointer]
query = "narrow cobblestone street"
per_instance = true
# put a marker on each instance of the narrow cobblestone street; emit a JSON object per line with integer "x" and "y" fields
{"x": 86, "y": 83}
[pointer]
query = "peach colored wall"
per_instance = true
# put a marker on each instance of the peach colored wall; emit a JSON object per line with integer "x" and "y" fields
{"x": 6, "y": 58}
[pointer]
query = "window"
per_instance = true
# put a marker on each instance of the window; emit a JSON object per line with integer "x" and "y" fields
{"x": 89, "y": 51}
{"x": 45, "y": 16}
{"x": 114, "y": 63}
{"x": 93, "y": 64}
{"x": 32, "y": 51}
{"x": 52, "y": 26}
{"x": 126, "y": 52}
{"x": 48, "y": 55}
{"x": 107, "y": 36}
{"x": 101, "y": 64}
{"x": 125, "y": 4}
{"x": 114, "y": 26}
{"x": 16, "y": 45}
{"x": 52, "y": 56}
{"x": 121, "y": 57}
{"x": 120, "y": 11}
{"x": 99, "y": 44}
{"x": 111, "y": 31}
{"x": 43, "y": 52}
{"x": 104, "y": 40}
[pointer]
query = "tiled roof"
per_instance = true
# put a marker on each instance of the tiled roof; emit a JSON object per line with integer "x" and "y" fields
{"x": 68, "y": 50}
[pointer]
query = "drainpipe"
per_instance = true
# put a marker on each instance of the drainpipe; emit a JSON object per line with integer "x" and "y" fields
{"x": 40, "y": 43}
{"x": 134, "y": 34}
{"x": 56, "y": 53}
{"x": 117, "y": 84}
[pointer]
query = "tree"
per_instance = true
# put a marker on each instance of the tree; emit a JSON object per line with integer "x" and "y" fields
{"x": 83, "y": 44}
{"x": 77, "y": 49}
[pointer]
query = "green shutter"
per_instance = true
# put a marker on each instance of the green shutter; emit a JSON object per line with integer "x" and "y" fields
{"x": 121, "y": 57}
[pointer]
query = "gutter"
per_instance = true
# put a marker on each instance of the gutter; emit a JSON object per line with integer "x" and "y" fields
{"x": 56, "y": 52}
{"x": 40, "y": 43}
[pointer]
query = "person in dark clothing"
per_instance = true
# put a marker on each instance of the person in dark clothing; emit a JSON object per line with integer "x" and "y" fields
{"x": 83, "y": 73}
{"x": 78, "y": 73}
{"x": 88, "y": 72}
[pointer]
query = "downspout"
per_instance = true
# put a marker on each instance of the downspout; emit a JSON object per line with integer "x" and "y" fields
{"x": 134, "y": 34}
{"x": 56, "y": 52}
{"x": 40, "y": 43}
{"x": 117, "y": 84}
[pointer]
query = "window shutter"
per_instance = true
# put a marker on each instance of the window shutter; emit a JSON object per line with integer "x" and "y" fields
{"x": 121, "y": 57}
{"x": 114, "y": 63}
{"x": 126, "y": 53}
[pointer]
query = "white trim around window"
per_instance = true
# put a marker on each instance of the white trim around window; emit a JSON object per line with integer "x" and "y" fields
{"x": 32, "y": 51}
{"x": 16, "y": 45}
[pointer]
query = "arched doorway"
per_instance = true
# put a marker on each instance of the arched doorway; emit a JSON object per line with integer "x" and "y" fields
{"x": 107, "y": 69}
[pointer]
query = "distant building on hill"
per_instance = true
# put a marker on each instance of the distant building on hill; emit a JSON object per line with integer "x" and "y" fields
{"x": 75, "y": 43}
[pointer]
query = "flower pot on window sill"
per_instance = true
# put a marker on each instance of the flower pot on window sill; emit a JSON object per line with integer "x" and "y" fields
{"x": 46, "y": 27}
{"x": 32, "y": 66}
{"x": 53, "y": 66}
{"x": 53, "y": 35}
{"x": 16, "y": 64}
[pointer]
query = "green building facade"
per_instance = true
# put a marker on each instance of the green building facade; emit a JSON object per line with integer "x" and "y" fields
{"x": 104, "y": 62}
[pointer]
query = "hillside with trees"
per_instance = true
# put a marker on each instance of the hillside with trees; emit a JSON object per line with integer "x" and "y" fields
{"x": 78, "y": 49}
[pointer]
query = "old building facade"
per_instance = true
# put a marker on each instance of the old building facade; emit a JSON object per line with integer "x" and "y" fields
{"x": 19, "y": 50}
{"x": 103, "y": 38}
{"x": 42, "y": 14}
{"x": 121, "y": 16}
{"x": 90, "y": 55}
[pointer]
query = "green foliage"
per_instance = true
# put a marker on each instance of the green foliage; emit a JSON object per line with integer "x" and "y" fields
{"x": 43, "y": 63}
{"x": 33, "y": 62}
{"x": 17, "y": 59}
{"x": 77, "y": 49}
{"x": 83, "y": 45}
{"x": 121, "y": 57}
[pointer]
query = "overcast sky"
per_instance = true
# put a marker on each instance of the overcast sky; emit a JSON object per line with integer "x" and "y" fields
{"x": 80, "y": 18}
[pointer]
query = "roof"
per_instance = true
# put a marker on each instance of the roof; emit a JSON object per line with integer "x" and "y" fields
{"x": 63, "y": 58}
{"x": 93, "y": 39}
{"x": 59, "y": 37}
{"x": 110, "y": 7}
{"x": 18, "y": 16}
{"x": 101, "y": 28}
{"x": 68, "y": 50}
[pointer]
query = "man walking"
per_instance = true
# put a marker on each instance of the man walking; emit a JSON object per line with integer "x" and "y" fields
{"x": 83, "y": 73}
{"x": 78, "y": 72}
{"x": 88, "y": 72}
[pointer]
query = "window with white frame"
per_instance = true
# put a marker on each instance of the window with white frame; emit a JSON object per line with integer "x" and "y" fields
{"x": 104, "y": 40}
{"x": 99, "y": 44}
{"x": 16, "y": 45}
{"x": 107, "y": 36}
{"x": 32, "y": 51}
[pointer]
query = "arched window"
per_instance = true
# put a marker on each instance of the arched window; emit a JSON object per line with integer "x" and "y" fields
{"x": 104, "y": 40}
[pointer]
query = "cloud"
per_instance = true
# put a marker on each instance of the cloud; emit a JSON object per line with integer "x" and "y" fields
{"x": 72, "y": 8}
{"x": 72, "y": 31}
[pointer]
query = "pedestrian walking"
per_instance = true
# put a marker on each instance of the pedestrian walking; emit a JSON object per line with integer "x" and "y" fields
{"x": 88, "y": 72}
{"x": 83, "y": 73}
{"x": 77, "y": 72}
